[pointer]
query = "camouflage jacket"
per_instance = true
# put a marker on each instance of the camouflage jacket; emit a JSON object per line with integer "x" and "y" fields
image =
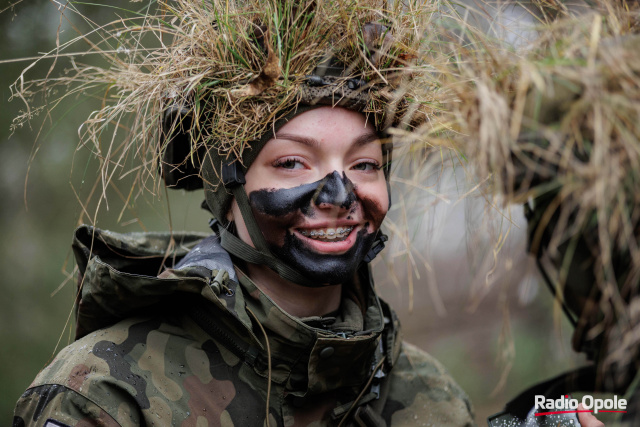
{"x": 201, "y": 345}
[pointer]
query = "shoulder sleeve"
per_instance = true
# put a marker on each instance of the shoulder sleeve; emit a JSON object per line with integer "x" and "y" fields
{"x": 91, "y": 379}
{"x": 423, "y": 393}
{"x": 55, "y": 405}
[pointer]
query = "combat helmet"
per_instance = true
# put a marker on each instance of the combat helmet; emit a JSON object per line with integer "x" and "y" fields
{"x": 367, "y": 74}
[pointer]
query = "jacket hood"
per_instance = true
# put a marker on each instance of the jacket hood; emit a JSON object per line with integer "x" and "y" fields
{"x": 118, "y": 274}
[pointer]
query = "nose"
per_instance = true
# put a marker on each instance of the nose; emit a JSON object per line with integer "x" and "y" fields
{"x": 335, "y": 190}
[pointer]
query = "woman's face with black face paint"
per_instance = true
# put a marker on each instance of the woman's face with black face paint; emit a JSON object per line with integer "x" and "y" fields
{"x": 318, "y": 193}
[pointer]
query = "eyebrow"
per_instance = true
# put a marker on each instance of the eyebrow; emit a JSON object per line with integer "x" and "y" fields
{"x": 365, "y": 139}
{"x": 314, "y": 143}
{"x": 304, "y": 140}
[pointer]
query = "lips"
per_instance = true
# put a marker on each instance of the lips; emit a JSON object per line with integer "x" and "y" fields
{"x": 327, "y": 234}
{"x": 323, "y": 242}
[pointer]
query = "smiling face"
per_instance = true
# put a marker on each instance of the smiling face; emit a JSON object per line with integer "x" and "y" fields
{"x": 318, "y": 193}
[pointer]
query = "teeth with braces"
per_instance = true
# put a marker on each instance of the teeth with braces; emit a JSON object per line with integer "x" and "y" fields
{"x": 328, "y": 234}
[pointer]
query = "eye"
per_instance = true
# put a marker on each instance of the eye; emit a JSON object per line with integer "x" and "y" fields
{"x": 290, "y": 163}
{"x": 366, "y": 166}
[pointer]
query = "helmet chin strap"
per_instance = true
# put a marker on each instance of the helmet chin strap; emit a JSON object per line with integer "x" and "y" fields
{"x": 233, "y": 179}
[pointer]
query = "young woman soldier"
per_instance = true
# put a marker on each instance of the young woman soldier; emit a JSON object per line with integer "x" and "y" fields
{"x": 274, "y": 319}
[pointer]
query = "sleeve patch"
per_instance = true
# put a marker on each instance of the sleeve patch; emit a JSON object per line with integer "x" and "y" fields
{"x": 53, "y": 423}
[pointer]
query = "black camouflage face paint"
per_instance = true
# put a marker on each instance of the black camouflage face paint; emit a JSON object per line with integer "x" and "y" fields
{"x": 326, "y": 268}
{"x": 332, "y": 189}
{"x": 278, "y": 211}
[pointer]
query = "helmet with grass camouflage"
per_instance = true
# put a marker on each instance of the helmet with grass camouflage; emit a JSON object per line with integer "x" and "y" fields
{"x": 373, "y": 83}
{"x": 202, "y": 85}
{"x": 326, "y": 86}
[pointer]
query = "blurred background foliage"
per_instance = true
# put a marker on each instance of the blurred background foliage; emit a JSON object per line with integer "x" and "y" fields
{"x": 484, "y": 318}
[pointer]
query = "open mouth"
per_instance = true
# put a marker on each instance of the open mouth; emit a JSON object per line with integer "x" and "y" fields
{"x": 327, "y": 234}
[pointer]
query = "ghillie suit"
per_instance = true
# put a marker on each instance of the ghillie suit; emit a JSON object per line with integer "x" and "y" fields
{"x": 556, "y": 125}
{"x": 201, "y": 344}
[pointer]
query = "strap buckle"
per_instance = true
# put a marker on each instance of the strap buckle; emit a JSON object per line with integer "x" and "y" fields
{"x": 378, "y": 246}
{"x": 365, "y": 416}
{"x": 232, "y": 175}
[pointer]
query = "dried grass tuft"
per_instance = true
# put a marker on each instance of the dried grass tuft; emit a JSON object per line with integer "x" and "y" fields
{"x": 235, "y": 67}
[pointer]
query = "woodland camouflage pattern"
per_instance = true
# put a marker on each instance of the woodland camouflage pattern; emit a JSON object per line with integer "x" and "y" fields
{"x": 190, "y": 352}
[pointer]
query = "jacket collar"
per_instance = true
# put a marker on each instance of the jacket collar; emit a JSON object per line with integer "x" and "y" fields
{"x": 316, "y": 355}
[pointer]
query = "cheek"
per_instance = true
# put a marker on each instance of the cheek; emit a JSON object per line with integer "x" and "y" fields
{"x": 276, "y": 211}
{"x": 275, "y": 229}
{"x": 375, "y": 203}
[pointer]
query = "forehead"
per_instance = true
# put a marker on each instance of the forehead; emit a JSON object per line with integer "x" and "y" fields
{"x": 328, "y": 122}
